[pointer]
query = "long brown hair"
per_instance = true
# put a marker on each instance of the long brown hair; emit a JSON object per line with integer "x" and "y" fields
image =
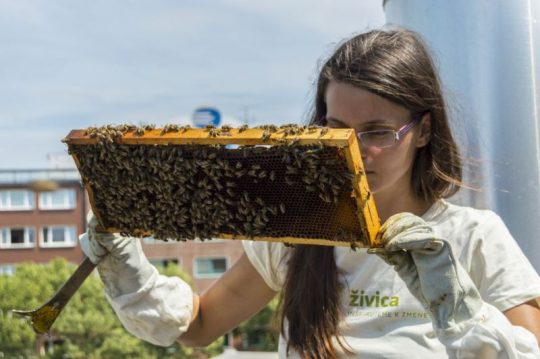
{"x": 396, "y": 65}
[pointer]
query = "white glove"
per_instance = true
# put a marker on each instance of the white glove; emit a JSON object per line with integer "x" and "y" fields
{"x": 463, "y": 322}
{"x": 121, "y": 263}
{"x": 428, "y": 267}
{"x": 151, "y": 306}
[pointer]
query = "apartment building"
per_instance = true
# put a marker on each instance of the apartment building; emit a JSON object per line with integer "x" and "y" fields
{"x": 42, "y": 213}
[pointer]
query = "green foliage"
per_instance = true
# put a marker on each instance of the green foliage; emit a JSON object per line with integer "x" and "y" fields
{"x": 261, "y": 332}
{"x": 16, "y": 336}
{"x": 87, "y": 328}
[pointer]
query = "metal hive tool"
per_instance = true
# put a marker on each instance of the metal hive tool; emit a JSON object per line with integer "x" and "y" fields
{"x": 291, "y": 184}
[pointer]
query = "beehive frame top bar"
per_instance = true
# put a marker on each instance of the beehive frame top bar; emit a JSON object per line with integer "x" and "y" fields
{"x": 267, "y": 136}
{"x": 251, "y": 136}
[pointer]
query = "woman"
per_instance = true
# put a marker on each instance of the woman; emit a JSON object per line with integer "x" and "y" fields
{"x": 456, "y": 269}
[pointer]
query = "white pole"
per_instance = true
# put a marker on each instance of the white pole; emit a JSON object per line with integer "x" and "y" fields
{"x": 488, "y": 52}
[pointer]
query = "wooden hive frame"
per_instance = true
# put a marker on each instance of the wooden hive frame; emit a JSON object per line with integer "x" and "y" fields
{"x": 344, "y": 139}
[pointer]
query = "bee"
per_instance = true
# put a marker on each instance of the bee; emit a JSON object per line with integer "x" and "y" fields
{"x": 289, "y": 181}
{"x": 239, "y": 217}
{"x": 307, "y": 180}
{"x": 294, "y": 142}
{"x": 325, "y": 197}
{"x": 170, "y": 128}
{"x": 242, "y": 128}
{"x": 185, "y": 128}
{"x": 91, "y": 131}
{"x": 214, "y": 132}
{"x": 291, "y": 170}
{"x": 312, "y": 129}
{"x": 240, "y": 173}
{"x": 272, "y": 176}
{"x": 286, "y": 158}
{"x": 266, "y": 136}
{"x": 264, "y": 216}
{"x": 226, "y": 128}
{"x": 282, "y": 208}
{"x": 324, "y": 131}
{"x": 233, "y": 227}
{"x": 270, "y": 128}
{"x": 273, "y": 210}
{"x": 259, "y": 223}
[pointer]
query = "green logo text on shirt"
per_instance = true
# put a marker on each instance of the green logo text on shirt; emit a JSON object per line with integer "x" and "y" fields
{"x": 363, "y": 299}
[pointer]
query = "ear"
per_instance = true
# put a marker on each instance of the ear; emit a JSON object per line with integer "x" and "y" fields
{"x": 425, "y": 131}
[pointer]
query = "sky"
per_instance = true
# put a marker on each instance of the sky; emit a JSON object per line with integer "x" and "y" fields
{"x": 69, "y": 64}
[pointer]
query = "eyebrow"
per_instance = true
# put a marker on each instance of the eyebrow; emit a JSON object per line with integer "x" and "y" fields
{"x": 372, "y": 122}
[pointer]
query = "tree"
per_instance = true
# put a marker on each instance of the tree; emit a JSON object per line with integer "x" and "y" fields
{"x": 261, "y": 332}
{"x": 87, "y": 328}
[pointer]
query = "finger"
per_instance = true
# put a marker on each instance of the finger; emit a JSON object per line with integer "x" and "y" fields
{"x": 414, "y": 242}
{"x": 93, "y": 222}
{"x": 95, "y": 254}
{"x": 399, "y": 223}
{"x": 405, "y": 231}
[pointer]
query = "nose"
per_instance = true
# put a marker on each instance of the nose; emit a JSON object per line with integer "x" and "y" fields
{"x": 363, "y": 151}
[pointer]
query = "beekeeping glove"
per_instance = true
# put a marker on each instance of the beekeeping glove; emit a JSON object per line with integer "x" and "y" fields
{"x": 151, "y": 306}
{"x": 467, "y": 325}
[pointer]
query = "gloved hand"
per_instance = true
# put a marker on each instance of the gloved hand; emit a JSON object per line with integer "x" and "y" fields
{"x": 430, "y": 270}
{"x": 121, "y": 263}
{"x": 153, "y": 307}
{"x": 464, "y": 323}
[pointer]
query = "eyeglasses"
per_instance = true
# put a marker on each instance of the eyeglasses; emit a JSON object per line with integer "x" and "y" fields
{"x": 385, "y": 138}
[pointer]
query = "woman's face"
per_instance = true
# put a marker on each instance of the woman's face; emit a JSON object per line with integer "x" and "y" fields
{"x": 389, "y": 169}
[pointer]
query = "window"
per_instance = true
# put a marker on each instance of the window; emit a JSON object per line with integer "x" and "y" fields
{"x": 59, "y": 236}
{"x": 165, "y": 262}
{"x": 60, "y": 199}
{"x": 206, "y": 267}
{"x": 7, "y": 269}
{"x": 17, "y": 237}
{"x": 16, "y": 200}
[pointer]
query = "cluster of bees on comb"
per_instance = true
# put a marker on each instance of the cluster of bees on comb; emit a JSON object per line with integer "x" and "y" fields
{"x": 195, "y": 191}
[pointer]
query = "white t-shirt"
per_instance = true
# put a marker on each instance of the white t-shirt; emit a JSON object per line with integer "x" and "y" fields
{"x": 383, "y": 319}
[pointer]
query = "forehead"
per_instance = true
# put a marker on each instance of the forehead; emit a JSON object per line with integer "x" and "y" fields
{"x": 355, "y": 106}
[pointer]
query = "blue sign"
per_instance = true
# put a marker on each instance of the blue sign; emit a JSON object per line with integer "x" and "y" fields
{"x": 204, "y": 116}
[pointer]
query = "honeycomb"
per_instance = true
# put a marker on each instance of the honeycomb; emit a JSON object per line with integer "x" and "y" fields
{"x": 290, "y": 184}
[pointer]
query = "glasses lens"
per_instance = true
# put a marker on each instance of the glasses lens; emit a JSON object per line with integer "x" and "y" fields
{"x": 380, "y": 139}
